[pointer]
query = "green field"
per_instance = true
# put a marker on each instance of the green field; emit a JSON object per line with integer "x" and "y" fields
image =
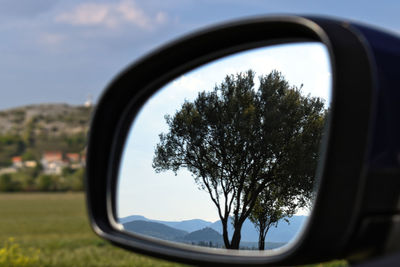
{"x": 51, "y": 229}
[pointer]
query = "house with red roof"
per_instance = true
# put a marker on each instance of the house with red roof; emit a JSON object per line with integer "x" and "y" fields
{"x": 17, "y": 162}
{"x": 53, "y": 162}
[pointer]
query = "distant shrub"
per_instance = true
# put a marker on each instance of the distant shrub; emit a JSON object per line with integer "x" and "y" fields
{"x": 9, "y": 139}
{"x": 10, "y": 145}
{"x": 28, "y": 155}
{"x": 28, "y": 183}
{"x": 54, "y": 183}
{"x": 7, "y": 184}
{"x": 76, "y": 180}
{"x": 11, "y": 255}
{"x": 45, "y": 183}
{"x": 31, "y": 180}
{"x": 77, "y": 141}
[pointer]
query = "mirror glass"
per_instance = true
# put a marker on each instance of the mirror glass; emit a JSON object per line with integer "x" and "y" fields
{"x": 225, "y": 156}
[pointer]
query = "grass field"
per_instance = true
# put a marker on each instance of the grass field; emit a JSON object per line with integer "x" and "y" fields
{"x": 51, "y": 229}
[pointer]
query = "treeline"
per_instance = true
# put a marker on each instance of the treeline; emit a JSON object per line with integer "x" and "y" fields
{"x": 32, "y": 148}
{"x": 33, "y": 180}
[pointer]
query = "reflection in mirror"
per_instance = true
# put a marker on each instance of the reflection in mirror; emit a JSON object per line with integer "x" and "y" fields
{"x": 225, "y": 156}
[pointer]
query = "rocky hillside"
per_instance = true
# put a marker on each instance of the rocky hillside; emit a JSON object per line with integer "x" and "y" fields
{"x": 28, "y": 131}
{"x": 49, "y": 119}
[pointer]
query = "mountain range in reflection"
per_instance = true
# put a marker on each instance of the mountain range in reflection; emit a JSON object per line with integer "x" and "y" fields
{"x": 197, "y": 231}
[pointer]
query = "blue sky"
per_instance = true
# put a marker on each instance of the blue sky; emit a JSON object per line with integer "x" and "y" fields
{"x": 63, "y": 51}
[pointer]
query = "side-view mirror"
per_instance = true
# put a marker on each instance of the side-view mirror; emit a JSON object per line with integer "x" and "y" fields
{"x": 264, "y": 141}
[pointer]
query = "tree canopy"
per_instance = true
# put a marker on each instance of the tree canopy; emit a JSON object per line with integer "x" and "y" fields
{"x": 239, "y": 142}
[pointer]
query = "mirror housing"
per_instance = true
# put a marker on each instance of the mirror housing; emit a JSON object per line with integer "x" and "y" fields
{"x": 354, "y": 215}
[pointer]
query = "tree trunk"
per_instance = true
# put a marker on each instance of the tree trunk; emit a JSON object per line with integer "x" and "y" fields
{"x": 235, "y": 242}
{"x": 236, "y": 239}
{"x": 261, "y": 240}
{"x": 225, "y": 234}
{"x": 263, "y": 230}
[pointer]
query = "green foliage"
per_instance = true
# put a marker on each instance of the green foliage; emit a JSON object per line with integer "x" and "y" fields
{"x": 66, "y": 143}
{"x": 237, "y": 141}
{"x": 28, "y": 134}
{"x": 46, "y": 182}
{"x": 67, "y": 171}
{"x": 28, "y": 183}
{"x": 28, "y": 155}
{"x": 7, "y": 184}
{"x": 76, "y": 180}
{"x": 71, "y": 181}
{"x": 272, "y": 205}
{"x": 26, "y": 178}
{"x": 10, "y": 145}
{"x": 76, "y": 142}
{"x": 9, "y": 140}
{"x": 31, "y": 180}
{"x": 299, "y": 135}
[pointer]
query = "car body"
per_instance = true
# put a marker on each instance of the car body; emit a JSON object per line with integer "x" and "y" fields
{"x": 358, "y": 153}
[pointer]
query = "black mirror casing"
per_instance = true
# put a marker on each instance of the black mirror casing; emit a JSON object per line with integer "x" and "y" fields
{"x": 354, "y": 215}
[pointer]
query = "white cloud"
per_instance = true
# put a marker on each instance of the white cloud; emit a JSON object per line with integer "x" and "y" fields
{"x": 131, "y": 13}
{"x": 111, "y": 15}
{"x": 161, "y": 17}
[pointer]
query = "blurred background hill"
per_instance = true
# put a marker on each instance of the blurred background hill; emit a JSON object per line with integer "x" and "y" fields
{"x": 43, "y": 147}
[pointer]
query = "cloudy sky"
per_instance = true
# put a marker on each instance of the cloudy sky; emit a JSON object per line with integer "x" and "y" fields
{"x": 63, "y": 51}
